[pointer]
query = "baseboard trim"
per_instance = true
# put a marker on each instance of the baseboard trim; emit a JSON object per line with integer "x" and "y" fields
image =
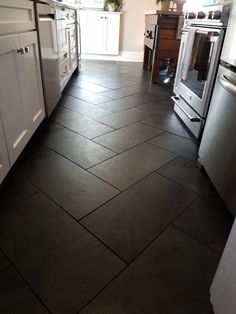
{"x": 131, "y": 56}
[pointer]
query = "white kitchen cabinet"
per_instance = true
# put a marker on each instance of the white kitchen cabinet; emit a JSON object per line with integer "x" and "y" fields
{"x": 16, "y": 16}
{"x": 100, "y": 32}
{"x": 4, "y": 161}
{"x": 21, "y": 106}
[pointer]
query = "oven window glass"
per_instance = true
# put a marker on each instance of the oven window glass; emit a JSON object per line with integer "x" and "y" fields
{"x": 199, "y": 65}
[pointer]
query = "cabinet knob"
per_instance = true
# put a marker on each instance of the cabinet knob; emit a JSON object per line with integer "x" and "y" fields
{"x": 20, "y": 51}
{"x": 26, "y": 49}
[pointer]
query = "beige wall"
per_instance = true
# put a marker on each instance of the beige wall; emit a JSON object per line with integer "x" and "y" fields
{"x": 132, "y": 23}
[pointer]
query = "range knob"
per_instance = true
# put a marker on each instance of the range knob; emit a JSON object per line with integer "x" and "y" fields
{"x": 216, "y": 15}
{"x": 201, "y": 15}
{"x": 210, "y": 15}
{"x": 191, "y": 15}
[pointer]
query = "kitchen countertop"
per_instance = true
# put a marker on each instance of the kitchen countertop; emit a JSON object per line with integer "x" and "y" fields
{"x": 56, "y": 3}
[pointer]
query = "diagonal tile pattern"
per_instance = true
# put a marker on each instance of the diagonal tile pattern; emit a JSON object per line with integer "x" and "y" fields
{"x": 106, "y": 210}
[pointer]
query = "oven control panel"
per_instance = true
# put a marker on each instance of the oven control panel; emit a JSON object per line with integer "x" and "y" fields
{"x": 214, "y": 15}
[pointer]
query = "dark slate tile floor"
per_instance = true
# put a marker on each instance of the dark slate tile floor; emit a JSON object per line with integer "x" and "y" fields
{"x": 106, "y": 210}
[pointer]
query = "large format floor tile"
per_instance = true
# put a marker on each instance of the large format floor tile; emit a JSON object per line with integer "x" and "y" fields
{"x": 129, "y": 222}
{"x": 83, "y": 108}
{"x": 16, "y": 297}
{"x": 132, "y": 165}
{"x": 123, "y": 118}
{"x": 93, "y": 98}
{"x": 121, "y": 92}
{"x": 87, "y": 127}
{"x": 169, "y": 123}
{"x": 63, "y": 263}
{"x": 4, "y": 263}
{"x": 127, "y": 137}
{"x": 176, "y": 144}
{"x": 172, "y": 276}
{"x": 91, "y": 87}
{"x": 207, "y": 222}
{"x": 188, "y": 174}
{"x": 77, "y": 148}
{"x": 122, "y": 103}
{"x": 73, "y": 188}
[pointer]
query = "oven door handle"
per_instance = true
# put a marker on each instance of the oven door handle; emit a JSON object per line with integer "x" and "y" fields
{"x": 192, "y": 119}
{"x": 226, "y": 84}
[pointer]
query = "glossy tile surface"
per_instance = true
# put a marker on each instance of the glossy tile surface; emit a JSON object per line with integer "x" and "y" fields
{"x": 132, "y": 165}
{"x": 134, "y": 218}
{"x": 56, "y": 251}
{"x": 165, "y": 278}
{"x": 106, "y": 210}
{"x": 127, "y": 137}
{"x": 70, "y": 186}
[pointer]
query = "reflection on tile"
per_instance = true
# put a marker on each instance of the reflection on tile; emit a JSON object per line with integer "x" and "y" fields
{"x": 122, "y": 103}
{"x": 87, "y": 127}
{"x": 121, "y": 92}
{"x": 73, "y": 188}
{"x": 88, "y": 96}
{"x": 187, "y": 173}
{"x": 83, "y": 108}
{"x": 123, "y": 118}
{"x": 78, "y": 149}
{"x": 129, "y": 222}
{"x": 208, "y": 223}
{"x": 16, "y": 297}
{"x": 132, "y": 165}
{"x": 176, "y": 144}
{"x": 127, "y": 137}
{"x": 172, "y": 276}
{"x": 63, "y": 263}
{"x": 168, "y": 122}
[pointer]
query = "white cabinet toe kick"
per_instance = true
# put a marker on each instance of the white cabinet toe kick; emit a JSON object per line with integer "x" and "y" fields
{"x": 191, "y": 119}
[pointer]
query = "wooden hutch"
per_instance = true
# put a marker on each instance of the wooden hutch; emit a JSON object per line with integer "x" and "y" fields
{"x": 162, "y": 40}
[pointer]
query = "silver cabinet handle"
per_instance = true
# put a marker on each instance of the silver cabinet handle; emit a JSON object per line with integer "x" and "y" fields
{"x": 226, "y": 84}
{"x": 20, "y": 51}
{"x": 192, "y": 119}
{"x": 27, "y": 49}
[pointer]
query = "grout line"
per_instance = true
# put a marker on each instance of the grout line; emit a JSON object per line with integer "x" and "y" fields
{"x": 6, "y": 268}
{"x": 25, "y": 281}
{"x": 196, "y": 239}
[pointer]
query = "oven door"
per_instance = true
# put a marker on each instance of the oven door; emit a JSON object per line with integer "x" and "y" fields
{"x": 195, "y": 86}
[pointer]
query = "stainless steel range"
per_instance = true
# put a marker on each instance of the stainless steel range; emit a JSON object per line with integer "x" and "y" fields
{"x": 201, "y": 44}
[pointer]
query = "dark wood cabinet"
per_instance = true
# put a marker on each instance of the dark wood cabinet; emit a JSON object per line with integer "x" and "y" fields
{"x": 161, "y": 41}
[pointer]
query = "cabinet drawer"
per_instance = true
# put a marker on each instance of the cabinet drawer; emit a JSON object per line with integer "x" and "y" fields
{"x": 151, "y": 19}
{"x": 70, "y": 16}
{"x": 72, "y": 36}
{"x": 73, "y": 59}
{"x": 64, "y": 69}
{"x": 191, "y": 119}
{"x": 16, "y": 16}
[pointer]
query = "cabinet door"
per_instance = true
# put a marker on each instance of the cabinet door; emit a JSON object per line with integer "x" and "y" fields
{"x": 95, "y": 33}
{"x": 4, "y": 162}
{"x": 16, "y": 15}
{"x": 112, "y": 33}
{"x": 12, "y": 113}
{"x": 31, "y": 82}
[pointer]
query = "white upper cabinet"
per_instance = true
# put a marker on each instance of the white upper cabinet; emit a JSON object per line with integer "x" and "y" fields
{"x": 100, "y": 32}
{"x": 16, "y": 16}
{"x": 4, "y": 161}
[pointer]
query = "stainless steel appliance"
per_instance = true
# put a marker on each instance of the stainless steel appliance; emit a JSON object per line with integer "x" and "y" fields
{"x": 217, "y": 151}
{"x": 57, "y": 26}
{"x": 200, "y": 48}
{"x": 47, "y": 26}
